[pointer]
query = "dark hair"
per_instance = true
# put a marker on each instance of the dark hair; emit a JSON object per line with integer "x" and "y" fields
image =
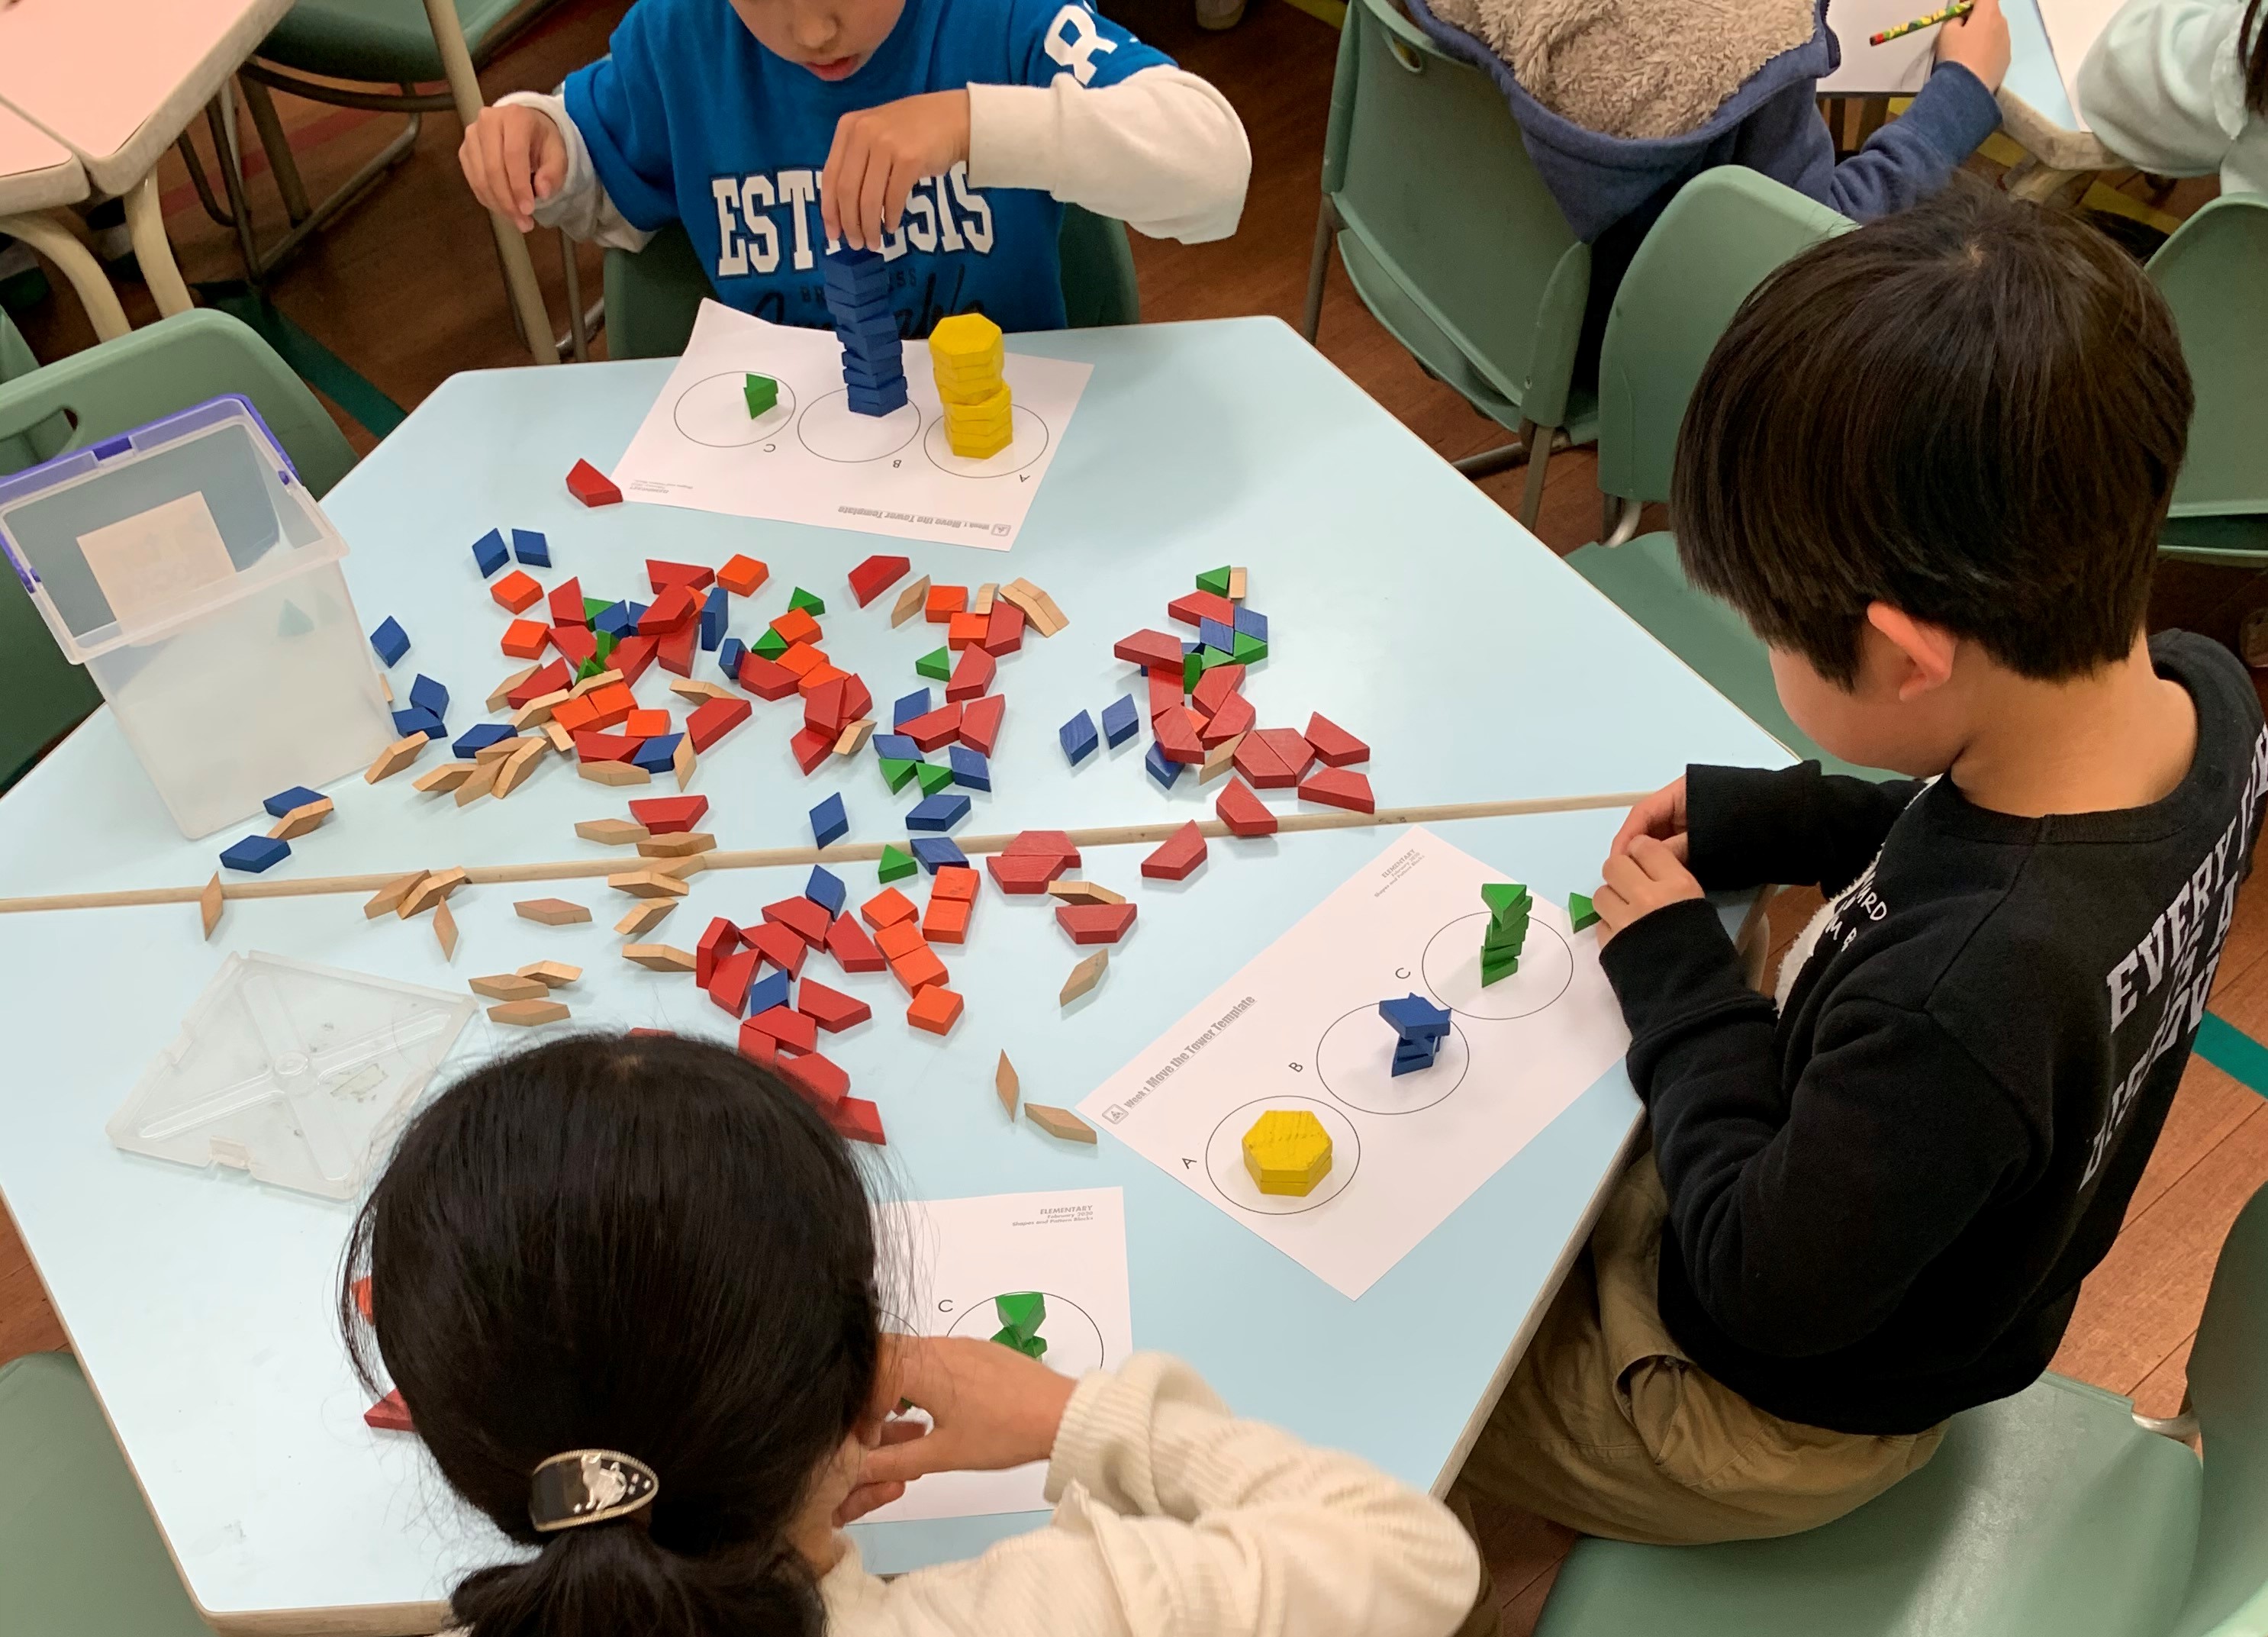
{"x": 641, "y": 1244}
{"x": 1973, "y": 411}
{"x": 2252, "y": 47}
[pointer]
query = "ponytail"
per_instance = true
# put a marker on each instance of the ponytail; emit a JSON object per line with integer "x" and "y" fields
{"x": 2252, "y": 58}
{"x": 613, "y": 1579}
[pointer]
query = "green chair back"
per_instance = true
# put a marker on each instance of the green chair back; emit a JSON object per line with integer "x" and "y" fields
{"x": 2213, "y": 273}
{"x": 2228, "y": 1388}
{"x": 1446, "y": 232}
{"x": 387, "y": 40}
{"x": 123, "y": 383}
{"x": 653, "y": 295}
{"x": 79, "y": 1551}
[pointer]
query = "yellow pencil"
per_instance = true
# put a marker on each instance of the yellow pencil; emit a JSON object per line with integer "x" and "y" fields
{"x": 1962, "y": 9}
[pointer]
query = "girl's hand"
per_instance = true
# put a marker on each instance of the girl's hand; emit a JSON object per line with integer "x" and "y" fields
{"x": 1979, "y": 43}
{"x": 1638, "y": 881}
{"x": 881, "y": 154}
{"x": 990, "y": 1406}
{"x": 1660, "y": 815}
{"x": 513, "y": 156}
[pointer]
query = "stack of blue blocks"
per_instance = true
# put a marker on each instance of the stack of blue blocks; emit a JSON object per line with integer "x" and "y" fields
{"x": 1422, "y": 1027}
{"x": 873, "y": 354}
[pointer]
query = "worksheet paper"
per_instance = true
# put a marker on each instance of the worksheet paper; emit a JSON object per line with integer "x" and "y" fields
{"x": 1897, "y": 67}
{"x": 810, "y": 460}
{"x": 957, "y": 1256}
{"x": 1299, "y": 1028}
{"x": 2071, "y": 28}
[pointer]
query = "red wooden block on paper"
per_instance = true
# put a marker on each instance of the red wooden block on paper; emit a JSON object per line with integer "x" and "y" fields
{"x": 566, "y": 604}
{"x": 936, "y": 728}
{"x": 590, "y": 485}
{"x": 1055, "y": 844}
{"x": 1339, "y": 787}
{"x": 1334, "y": 746}
{"x": 858, "y": 1120}
{"x": 1165, "y": 692}
{"x": 888, "y": 908}
{"x": 935, "y": 1009}
{"x": 574, "y": 642}
{"x": 1287, "y": 746}
{"x": 1244, "y": 813}
{"x": 576, "y": 716}
{"x": 389, "y": 1414}
{"x": 765, "y": 678}
{"x": 719, "y": 940}
{"x": 546, "y": 679}
{"x": 1152, "y": 651}
{"x": 675, "y": 649}
{"x": 672, "y": 609}
{"x": 1177, "y": 855}
{"x": 516, "y": 591}
{"x": 1214, "y": 687}
{"x": 948, "y": 921}
{"x": 1192, "y": 607}
{"x": 819, "y": 1079}
{"x": 810, "y": 747}
{"x": 1235, "y": 716}
{"x": 943, "y": 603}
{"x": 1258, "y": 764}
{"x": 796, "y": 625}
{"x": 1177, "y": 735}
{"x": 758, "y": 1047}
{"x": 777, "y": 944}
{"x": 804, "y": 916}
{"x": 1003, "y": 627}
{"x": 647, "y": 724}
{"x": 916, "y": 970}
{"x": 614, "y": 703}
{"x": 822, "y": 706}
{"x": 730, "y": 978}
{"x": 956, "y": 881}
{"x": 743, "y": 576}
{"x": 970, "y": 677}
{"x": 876, "y": 575}
{"x": 597, "y": 747}
{"x": 830, "y": 1008}
{"x": 1095, "y": 923}
{"x": 852, "y": 949}
{"x": 1024, "y": 874}
{"x": 792, "y": 1028}
{"x": 526, "y": 639}
{"x": 632, "y": 657}
{"x": 661, "y": 575}
{"x": 669, "y": 815}
{"x": 979, "y": 722}
{"x": 712, "y": 719}
{"x": 966, "y": 630}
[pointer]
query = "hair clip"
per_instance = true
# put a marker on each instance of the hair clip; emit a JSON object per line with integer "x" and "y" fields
{"x": 588, "y": 1486}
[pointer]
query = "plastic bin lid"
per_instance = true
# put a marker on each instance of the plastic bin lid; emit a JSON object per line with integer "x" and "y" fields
{"x": 132, "y": 537}
{"x": 293, "y": 1073}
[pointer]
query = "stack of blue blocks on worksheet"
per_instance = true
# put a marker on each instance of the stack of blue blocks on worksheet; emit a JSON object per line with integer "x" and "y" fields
{"x": 873, "y": 356}
{"x": 1421, "y": 1026}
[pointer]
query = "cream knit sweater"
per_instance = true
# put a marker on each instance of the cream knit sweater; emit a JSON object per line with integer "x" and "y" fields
{"x": 1174, "y": 1519}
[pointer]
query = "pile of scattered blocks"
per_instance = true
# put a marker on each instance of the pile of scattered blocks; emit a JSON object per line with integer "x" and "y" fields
{"x": 1508, "y": 906}
{"x": 1419, "y": 1027}
{"x": 966, "y": 355}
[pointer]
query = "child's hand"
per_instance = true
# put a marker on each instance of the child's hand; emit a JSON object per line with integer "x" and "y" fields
{"x": 879, "y": 155}
{"x": 1640, "y": 879}
{"x": 991, "y": 1407}
{"x": 513, "y": 156}
{"x": 1979, "y": 43}
{"x": 1660, "y": 815}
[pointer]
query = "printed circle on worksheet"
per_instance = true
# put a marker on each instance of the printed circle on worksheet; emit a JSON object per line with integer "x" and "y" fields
{"x": 1452, "y": 970}
{"x": 1354, "y": 1060}
{"x": 1027, "y": 441}
{"x": 831, "y": 430}
{"x": 1224, "y": 1158}
{"x": 714, "y": 412}
{"x": 1074, "y": 1339}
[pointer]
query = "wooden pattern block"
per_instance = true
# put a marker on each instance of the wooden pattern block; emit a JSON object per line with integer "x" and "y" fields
{"x": 659, "y": 957}
{"x": 387, "y": 899}
{"x": 1215, "y": 686}
{"x": 830, "y": 1008}
{"x": 645, "y": 917}
{"x": 444, "y": 779}
{"x": 1233, "y": 720}
{"x": 729, "y": 979}
{"x": 790, "y": 1029}
{"x": 1177, "y": 735}
{"x": 551, "y": 911}
{"x": 517, "y": 592}
{"x": 612, "y": 832}
{"x": 678, "y": 846}
{"x": 209, "y": 903}
{"x": 876, "y": 575}
{"x": 508, "y": 987}
{"x": 858, "y": 1120}
{"x": 1151, "y": 650}
{"x": 800, "y": 915}
{"x": 966, "y": 630}
{"x": 1260, "y": 767}
{"x": 524, "y": 639}
{"x": 1004, "y": 630}
{"x": 1024, "y": 874}
{"x": 742, "y": 575}
{"x": 934, "y": 1009}
{"x": 1178, "y": 855}
{"x": 435, "y": 886}
{"x": 1083, "y": 892}
{"x": 955, "y": 883}
{"x": 717, "y": 941}
{"x": 710, "y": 722}
{"x": 590, "y": 486}
{"x": 1038, "y": 607}
{"x": 940, "y": 603}
{"x": 971, "y": 677}
{"x": 785, "y": 949}
{"x": 613, "y": 773}
{"x": 852, "y": 949}
{"x": 946, "y": 921}
{"x": 300, "y": 820}
{"x": 1194, "y": 608}
{"x": 766, "y": 679}
{"x": 810, "y": 747}
{"x": 389, "y": 1414}
{"x": 1289, "y": 746}
{"x": 668, "y": 815}
{"x": 1219, "y": 760}
{"x": 918, "y": 970}
{"x": 910, "y": 602}
{"x": 528, "y": 1013}
{"x": 1339, "y": 787}
{"x": 648, "y": 884}
{"x": 1244, "y": 813}
{"x": 1287, "y": 1152}
{"x": 1006, "y": 1086}
{"x": 819, "y": 1078}
{"x": 1059, "y": 1122}
{"x": 551, "y": 974}
{"x": 1084, "y": 976}
{"x": 395, "y": 756}
{"x": 1095, "y": 923}
{"x": 935, "y": 730}
{"x": 1333, "y": 745}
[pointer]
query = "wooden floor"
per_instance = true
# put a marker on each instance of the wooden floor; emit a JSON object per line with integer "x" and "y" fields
{"x": 406, "y": 289}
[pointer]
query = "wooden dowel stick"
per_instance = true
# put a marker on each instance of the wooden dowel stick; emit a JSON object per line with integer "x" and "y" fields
{"x": 841, "y": 852}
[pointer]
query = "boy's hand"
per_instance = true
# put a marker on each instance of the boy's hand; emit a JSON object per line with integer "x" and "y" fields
{"x": 881, "y": 154}
{"x": 1660, "y": 815}
{"x": 1979, "y": 43}
{"x": 1640, "y": 879}
{"x": 513, "y": 156}
{"x": 990, "y": 1406}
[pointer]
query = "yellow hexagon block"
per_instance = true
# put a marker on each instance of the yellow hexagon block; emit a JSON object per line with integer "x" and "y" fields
{"x": 966, "y": 339}
{"x": 1288, "y": 1151}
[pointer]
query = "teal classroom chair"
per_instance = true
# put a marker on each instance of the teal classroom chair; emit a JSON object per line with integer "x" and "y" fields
{"x": 78, "y": 1551}
{"x": 653, "y": 295}
{"x": 1719, "y": 237}
{"x": 2056, "y": 1512}
{"x": 2213, "y": 273}
{"x": 1452, "y": 239}
{"x": 123, "y": 383}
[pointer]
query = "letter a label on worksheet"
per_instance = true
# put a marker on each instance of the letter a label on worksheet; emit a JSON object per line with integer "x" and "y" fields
{"x": 1275, "y": 1098}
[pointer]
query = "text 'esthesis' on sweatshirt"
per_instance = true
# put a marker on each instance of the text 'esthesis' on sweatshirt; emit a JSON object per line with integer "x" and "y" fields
{"x": 1883, "y": 1198}
{"x": 691, "y": 120}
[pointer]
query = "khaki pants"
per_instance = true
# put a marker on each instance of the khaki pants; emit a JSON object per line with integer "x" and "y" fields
{"x": 1609, "y": 1429}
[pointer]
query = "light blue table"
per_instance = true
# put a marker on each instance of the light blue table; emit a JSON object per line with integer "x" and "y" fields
{"x": 1403, "y": 602}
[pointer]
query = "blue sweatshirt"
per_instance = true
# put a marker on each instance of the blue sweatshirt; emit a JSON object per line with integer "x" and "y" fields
{"x": 691, "y": 120}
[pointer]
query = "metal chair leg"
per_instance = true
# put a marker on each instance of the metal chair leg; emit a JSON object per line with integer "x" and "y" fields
{"x": 231, "y": 178}
{"x": 1619, "y": 526}
{"x": 145, "y": 225}
{"x": 281, "y": 163}
{"x": 579, "y": 328}
{"x": 46, "y": 234}
{"x": 1531, "y": 494}
{"x": 1327, "y": 226}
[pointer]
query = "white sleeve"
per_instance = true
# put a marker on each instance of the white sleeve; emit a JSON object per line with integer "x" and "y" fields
{"x": 580, "y": 209}
{"x": 1174, "y": 1517}
{"x": 2163, "y": 85}
{"x": 1162, "y": 150}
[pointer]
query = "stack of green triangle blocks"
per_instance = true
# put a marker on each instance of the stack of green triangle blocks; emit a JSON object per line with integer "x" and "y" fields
{"x": 1508, "y": 929}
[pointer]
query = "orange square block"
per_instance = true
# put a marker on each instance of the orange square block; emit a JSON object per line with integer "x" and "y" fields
{"x": 526, "y": 639}
{"x": 646, "y": 724}
{"x": 614, "y": 703}
{"x": 516, "y": 591}
{"x": 796, "y": 625}
{"x": 896, "y": 939}
{"x": 948, "y": 921}
{"x": 802, "y": 660}
{"x": 576, "y": 716}
{"x": 943, "y": 603}
{"x": 956, "y": 881}
{"x": 918, "y": 970}
{"x": 818, "y": 676}
{"x": 742, "y": 575}
{"x": 887, "y": 907}
{"x": 963, "y": 630}
{"x": 935, "y": 1009}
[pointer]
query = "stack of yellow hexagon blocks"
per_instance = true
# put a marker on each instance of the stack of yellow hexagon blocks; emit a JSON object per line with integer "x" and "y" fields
{"x": 1287, "y": 1151}
{"x": 964, "y": 355}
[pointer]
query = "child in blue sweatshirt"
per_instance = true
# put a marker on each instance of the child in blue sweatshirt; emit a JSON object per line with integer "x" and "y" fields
{"x": 948, "y": 135}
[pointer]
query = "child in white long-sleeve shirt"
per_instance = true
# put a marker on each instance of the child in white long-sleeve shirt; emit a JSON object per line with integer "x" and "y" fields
{"x": 947, "y": 134}
{"x": 2181, "y": 87}
{"x": 628, "y": 1289}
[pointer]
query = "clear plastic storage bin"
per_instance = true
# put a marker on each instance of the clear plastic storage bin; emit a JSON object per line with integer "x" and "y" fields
{"x": 186, "y": 566}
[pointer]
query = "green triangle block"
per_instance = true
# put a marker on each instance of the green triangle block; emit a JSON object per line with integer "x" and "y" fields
{"x": 934, "y": 777}
{"x": 895, "y": 866}
{"x": 1502, "y": 895}
{"x": 604, "y": 642}
{"x": 762, "y": 394}
{"x": 898, "y": 772}
{"x": 1030, "y": 1346}
{"x": 1249, "y": 650}
{"x": 1022, "y": 1312}
{"x": 770, "y": 645}
{"x": 1490, "y": 973}
{"x": 938, "y": 666}
{"x": 590, "y": 667}
{"x": 1214, "y": 580}
{"x": 1192, "y": 667}
{"x": 1580, "y": 912}
{"x": 293, "y": 623}
{"x": 594, "y": 606}
{"x": 1210, "y": 657}
{"x": 801, "y": 599}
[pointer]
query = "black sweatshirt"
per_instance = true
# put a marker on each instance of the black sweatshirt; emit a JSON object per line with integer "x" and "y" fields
{"x": 1882, "y": 1200}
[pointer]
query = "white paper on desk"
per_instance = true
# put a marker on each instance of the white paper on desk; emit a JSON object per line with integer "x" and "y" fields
{"x": 2073, "y": 28}
{"x": 1299, "y": 1029}
{"x": 1071, "y": 1247}
{"x": 810, "y": 460}
{"x": 1897, "y": 68}
{"x": 152, "y": 565}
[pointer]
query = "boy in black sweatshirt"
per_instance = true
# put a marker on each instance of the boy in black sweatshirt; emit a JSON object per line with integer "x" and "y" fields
{"x": 1928, "y": 463}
